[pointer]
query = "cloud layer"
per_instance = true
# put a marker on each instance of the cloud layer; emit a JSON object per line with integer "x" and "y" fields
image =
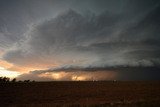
{"x": 88, "y": 40}
{"x": 94, "y": 74}
{"x": 78, "y": 38}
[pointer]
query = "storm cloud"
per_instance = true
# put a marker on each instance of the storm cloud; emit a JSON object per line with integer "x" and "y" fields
{"x": 96, "y": 40}
{"x": 80, "y": 35}
{"x": 69, "y": 75}
{"x": 94, "y": 74}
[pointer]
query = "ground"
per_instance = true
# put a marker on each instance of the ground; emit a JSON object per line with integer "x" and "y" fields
{"x": 80, "y": 94}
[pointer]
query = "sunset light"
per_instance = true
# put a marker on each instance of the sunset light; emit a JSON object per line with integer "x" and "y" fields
{"x": 7, "y": 73}
{"x": 79, "y": 53}
{"x": 78, "y": 78}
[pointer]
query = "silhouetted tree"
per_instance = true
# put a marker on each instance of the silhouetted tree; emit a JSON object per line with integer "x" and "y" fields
{"x": 4, "y": 79}
{"x": 26, "y": 81}
{"x": 33, "y": 81}
{"x": 20, "y": 81}
{"x": 1, "y": 79}
{"x": 13, "y": 80}
{"x": 7, "y": 80}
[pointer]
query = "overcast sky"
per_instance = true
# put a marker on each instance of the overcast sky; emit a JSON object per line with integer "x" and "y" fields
{"x": 80, "y": 38}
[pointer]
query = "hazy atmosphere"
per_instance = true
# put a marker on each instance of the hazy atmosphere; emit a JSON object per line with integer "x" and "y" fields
{"x": 46, "y": 40}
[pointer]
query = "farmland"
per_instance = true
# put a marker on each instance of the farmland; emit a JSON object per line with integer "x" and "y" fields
{"x": 80, "y": 94}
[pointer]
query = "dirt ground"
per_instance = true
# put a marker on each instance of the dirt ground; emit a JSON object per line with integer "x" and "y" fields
{"x": 80, "y": 94}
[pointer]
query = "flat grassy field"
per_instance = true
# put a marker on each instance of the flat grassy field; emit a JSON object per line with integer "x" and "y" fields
{"x": 80, "y": 94}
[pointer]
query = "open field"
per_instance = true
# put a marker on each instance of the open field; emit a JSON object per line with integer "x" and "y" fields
{"x": 80, "y": 94}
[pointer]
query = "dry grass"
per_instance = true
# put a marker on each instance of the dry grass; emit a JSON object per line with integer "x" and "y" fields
{"x": 80, "y": 94}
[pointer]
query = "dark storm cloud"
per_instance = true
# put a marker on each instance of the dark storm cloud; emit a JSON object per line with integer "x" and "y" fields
{"x": 89, "y": 35}
{"x": 17, "y": 16}
{"x": 107, "y": 39}
{"x": 66, "y": 38}
{"x": 108, "y": 73}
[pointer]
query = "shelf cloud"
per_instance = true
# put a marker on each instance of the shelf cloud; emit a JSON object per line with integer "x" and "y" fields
{"x": 92, "y": 36}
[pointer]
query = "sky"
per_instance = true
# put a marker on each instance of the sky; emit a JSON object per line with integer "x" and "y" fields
{"x": 47, "y": 40}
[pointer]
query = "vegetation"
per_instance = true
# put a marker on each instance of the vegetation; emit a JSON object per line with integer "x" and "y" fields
{"x": 8, "y": 80}
{"x": 4, "y": 79}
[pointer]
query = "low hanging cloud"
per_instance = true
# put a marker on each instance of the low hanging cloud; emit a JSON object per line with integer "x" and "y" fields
{"x": 90, "y": 41}
{"x": 94, "y": 74}
{"x": 68, "y": 75}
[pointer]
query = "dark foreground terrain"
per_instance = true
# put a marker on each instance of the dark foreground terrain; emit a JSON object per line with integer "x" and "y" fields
{"x": 80, "y": 94}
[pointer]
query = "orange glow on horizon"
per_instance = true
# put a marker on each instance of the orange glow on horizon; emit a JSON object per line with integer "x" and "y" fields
{"x": 56, "y": 75}
{"x": 10, "y": 70}
{"x": 5, "y": 64}
{"x": 25, "y": 69}
{"x": 7, "y": 73}
{"x": 78, "y": 78}
{"x": 80, "y": 75}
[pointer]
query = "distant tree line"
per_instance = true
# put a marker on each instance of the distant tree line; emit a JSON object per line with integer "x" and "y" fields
{"x": 8, "y": 80}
